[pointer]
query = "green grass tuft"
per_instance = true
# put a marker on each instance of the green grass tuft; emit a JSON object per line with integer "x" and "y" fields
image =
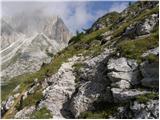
{"x": 77, "y": 66}
{"x": 151, "y": 58}
{"x": 76, "y": 38}
{"x": 93, "y": 35}
{"x": 33, "y": 98}
{"x": 43, "y": 113}
{"x": 145, "y": 98}
{"x": 135, "y": 48}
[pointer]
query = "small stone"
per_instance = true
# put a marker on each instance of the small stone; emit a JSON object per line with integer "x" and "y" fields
{"x": 25, "y": 113}
{"x": 123, "y": 84}
{"x": 118, "y": 65}
{"x": 154, "y": 51}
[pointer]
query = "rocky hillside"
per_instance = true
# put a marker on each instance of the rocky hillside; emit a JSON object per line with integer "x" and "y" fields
{"x": 27, "y": 45}
{"x": 111, "y": 71}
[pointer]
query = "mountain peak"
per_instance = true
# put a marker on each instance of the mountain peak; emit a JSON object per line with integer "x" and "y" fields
{"x": 28, "y": 35}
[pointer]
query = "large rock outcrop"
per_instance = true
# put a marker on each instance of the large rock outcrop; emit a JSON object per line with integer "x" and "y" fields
{"x": 123, "y": 73}
{"x": 93, "y": 85}
{"x": 143, "y": 27}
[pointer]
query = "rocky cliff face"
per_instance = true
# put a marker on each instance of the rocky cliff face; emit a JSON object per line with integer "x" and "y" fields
{"x": 109, "y": 72}
{"x": 27, "y": 45}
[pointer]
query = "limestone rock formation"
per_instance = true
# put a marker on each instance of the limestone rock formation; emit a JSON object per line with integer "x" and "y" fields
{"x": 93, "y": 85}
{"x": 143, "y": 27}
{"x": 124, "y": 72}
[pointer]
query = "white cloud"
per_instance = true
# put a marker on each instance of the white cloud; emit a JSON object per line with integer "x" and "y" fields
{"x": 100, "y": 13}
{"x": 79, "y": 18}
{"x": 118, "y": 7}
{"x": 76, "y": 15}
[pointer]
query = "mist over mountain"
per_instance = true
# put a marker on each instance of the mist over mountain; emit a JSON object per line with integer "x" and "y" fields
{"x": 28, "y": 40}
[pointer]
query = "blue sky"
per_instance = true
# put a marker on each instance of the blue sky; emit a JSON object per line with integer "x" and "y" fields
{"x": 98, "y": 9}
{"x": 76, "y": 15}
